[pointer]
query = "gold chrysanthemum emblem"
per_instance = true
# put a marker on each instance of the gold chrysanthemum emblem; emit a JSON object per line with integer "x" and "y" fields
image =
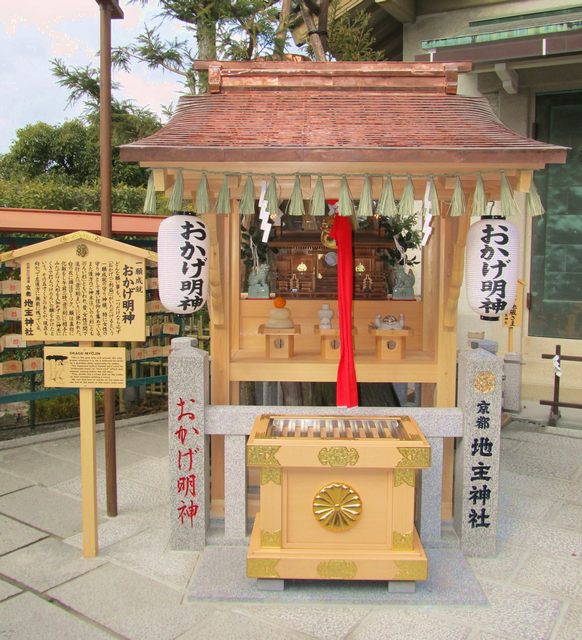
{"x": 485, "y": 382}
{"x": 337, "y": 506}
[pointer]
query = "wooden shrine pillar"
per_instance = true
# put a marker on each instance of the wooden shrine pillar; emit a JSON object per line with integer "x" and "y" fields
{"x": 443, "y": 267}
{"x": 218, "y": 226}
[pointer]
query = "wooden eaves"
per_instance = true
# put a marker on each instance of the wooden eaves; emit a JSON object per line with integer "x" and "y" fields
{"x": 57, "y": 221}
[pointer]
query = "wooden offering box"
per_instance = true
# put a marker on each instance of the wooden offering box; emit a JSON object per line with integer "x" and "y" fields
{"x": 390, "y": 343}
{"x": 336, "y": 498}
{"x": 330, "y": 341}
{"x": 279, "y": 343}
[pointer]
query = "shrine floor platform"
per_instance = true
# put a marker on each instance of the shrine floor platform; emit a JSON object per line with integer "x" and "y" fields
{"x": 138, "y": 588}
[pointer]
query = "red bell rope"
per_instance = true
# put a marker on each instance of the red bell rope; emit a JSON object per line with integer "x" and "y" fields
{"x": 346, "y": 384}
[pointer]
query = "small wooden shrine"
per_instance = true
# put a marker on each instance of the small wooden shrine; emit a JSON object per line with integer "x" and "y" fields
{"x": 384, "y": 126}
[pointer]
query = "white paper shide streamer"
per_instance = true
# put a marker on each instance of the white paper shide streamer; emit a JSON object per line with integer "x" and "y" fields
{"x": 491, "y": 267}
{"x": 264, "y": 216}
{"x": 183, "y": 254}
{"x": 427, "y": 212}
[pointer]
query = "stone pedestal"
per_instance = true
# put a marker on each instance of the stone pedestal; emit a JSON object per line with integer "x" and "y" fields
{"x": 512, "y": 382}
{"x": 188, "y": 450}
{"x": 477, "y": 456}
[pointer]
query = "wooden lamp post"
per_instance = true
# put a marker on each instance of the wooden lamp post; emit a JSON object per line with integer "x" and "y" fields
{"x": 109, "y": 10}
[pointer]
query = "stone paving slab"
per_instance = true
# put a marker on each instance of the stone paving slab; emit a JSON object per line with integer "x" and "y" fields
{"x": 113, "y": 530}
{"x": 14, "y": 534}
{"x": 69, "y": 449}
{"x": 569, "y": 516}
{"x": 131, "y": 496}
{"x": 146, "y": 444}
{"x": 28, "y": 617}
{"x": 221, "y": 575}
{"x": 569, "y": 628}
{"x": 10, "y": 483}
{"x": 561, "y": 450}
{"x": 532, "y": 586}
{"x": 560, "y": 577}
{"x": 158, "y": 427}
{"x": 46, "y": 564}
{"x": 541, "y": 537}
{"x": 397, "y": 622}
{"x": 139, "y": 609}
{"x": 150, "y": 471}
{"x": 503, "y": 566}
{"x": 37, "y": 467}
{"x": 147, "y": 553}
{"x": 44, "y": 508}
{"x": 553, "y": 489}
{"x": 543, "y": 435}
{"x": 486, "y": 635}
{"x": 527, "y": 507}
{"x": 220, "y": 625}
{"x": 323, "y": 622}
{"x": 560, "y": 461}
{"x": 515, "y": 612}
{"x": 7, "y": 590}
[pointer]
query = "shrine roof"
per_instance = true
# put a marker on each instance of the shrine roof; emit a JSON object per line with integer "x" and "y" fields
{"x": 329, "y": 112}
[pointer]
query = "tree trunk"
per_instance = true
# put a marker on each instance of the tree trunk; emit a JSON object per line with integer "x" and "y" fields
{"x": 314, "y": 37}
{"x": 281, "y": 34}
{"x": 322, "y": 23}
{"x": 206, "y": 40}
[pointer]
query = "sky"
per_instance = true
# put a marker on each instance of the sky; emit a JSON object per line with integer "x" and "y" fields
{"x": 33, "y": 32}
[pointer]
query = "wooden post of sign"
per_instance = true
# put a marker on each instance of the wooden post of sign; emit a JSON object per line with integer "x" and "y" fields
{"x": 108, "y": 10}
{"x": 88, "y": 469}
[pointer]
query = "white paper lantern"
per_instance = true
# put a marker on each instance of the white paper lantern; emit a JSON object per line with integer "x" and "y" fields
{"x": 183, "y": 255}
{"x": 491, "y": 267}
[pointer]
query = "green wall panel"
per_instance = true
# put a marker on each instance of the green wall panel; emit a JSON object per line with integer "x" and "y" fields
{"x": 556, "y": 265}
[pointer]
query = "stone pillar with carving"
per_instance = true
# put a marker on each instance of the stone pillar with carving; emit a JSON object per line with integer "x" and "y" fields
{"x": 188, "y": 451}
{"x": 477, "y": 454}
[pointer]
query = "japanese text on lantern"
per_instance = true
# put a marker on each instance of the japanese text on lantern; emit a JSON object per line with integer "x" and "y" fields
{"x": 194, "y": 257}
{"x": 481, "y": 452}
{"x": 187, "y": 435}
{"x": 495, "y": 257}
{"x": 77, "y": 298}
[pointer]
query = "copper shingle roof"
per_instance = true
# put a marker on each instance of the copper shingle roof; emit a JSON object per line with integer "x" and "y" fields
{"x": 355, "y": 124}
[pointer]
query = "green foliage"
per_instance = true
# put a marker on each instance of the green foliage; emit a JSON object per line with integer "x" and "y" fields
{"x": 231, "y": 29}
{"x": 82, "y": 82}
{"x": 263, "y": 249}
{"x": 350, "y": 36}
{"x": 409, "y": 237}
{"x": 55, "y": 194}
{"x": 57, "y": 408}
{"x": 63, "y": 151}
{"x": 63, "y": 407}
{"x": 250, "y": 32}
{"x": 70, "y": 151}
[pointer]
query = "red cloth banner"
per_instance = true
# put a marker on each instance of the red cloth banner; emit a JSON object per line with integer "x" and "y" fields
{"x": 346, "y": 384}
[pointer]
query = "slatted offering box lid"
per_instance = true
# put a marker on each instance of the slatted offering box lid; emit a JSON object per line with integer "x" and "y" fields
{"x": 363, "y": 441}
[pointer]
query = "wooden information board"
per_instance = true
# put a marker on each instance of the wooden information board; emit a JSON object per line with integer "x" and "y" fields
{"x": 85, "y": 368}
{"x": 82, "y": 290}
{"x": 514, "y": 317}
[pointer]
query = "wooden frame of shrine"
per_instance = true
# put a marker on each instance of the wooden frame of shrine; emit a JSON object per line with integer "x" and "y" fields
{"x": 358, "y": 121}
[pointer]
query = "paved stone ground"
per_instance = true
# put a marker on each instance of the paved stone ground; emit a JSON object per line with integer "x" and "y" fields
{"x": 137, "y": 588}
